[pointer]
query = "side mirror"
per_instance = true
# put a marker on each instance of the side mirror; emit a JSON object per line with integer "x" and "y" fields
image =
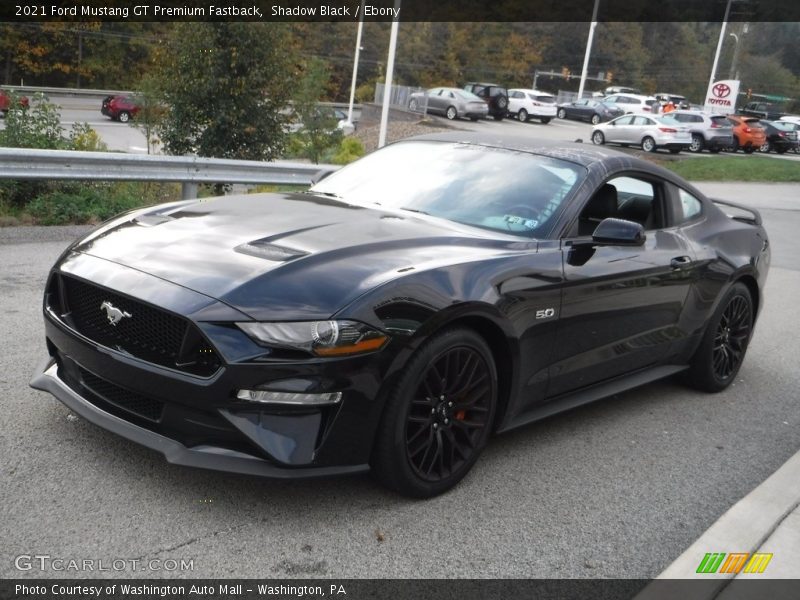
{"x": 619, "y": 232}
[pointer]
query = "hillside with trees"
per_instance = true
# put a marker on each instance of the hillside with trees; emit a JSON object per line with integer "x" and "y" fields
{"x": 673, "y": 57}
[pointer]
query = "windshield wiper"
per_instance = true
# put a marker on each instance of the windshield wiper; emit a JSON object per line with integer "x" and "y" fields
{"x": 415, "y": 210}
{"x": 328, "y": 194}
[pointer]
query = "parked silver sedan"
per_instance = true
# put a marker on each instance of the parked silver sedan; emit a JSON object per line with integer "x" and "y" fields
{"x": 649, "y": 132}
{"x": 450, "y": 102}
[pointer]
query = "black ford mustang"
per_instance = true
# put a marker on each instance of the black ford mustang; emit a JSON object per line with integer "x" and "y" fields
{"x": 407, "y": 306}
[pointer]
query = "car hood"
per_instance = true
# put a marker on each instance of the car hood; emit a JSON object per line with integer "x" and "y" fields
{"x": 285, "y": 256}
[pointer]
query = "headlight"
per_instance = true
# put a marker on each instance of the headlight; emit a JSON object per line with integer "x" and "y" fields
{"x": 323, "y": 338}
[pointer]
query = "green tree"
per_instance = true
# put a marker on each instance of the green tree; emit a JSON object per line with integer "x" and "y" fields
{"x": 317, "y": 125}
{"x": 151, "y": 111}
{"x": 225, "y": 85}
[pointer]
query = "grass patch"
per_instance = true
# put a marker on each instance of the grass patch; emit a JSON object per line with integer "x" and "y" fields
{"x": 733, "y": 168}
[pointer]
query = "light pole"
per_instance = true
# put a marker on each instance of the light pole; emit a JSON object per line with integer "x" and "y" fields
{"x": 734, "y": 74}
{"x": 588, "y": 49}
{"x": 719, "y": 45}
{"x": 355, "y": 63}
{"x": 387, "y": 87}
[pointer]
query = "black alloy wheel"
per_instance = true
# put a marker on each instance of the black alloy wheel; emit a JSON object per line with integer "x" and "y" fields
{"x": 724, "y": 344}
{"x": 439, "y": 416}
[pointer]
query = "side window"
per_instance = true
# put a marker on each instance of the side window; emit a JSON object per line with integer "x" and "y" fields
{"x": 624, "y": 121}
{"x": 689, "y": 205}
{"x": 625, "y": 197}
{"x": 642, "y": 121}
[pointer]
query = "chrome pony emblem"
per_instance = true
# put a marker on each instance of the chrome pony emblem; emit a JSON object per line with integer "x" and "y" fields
{"x": 114, "y": 314}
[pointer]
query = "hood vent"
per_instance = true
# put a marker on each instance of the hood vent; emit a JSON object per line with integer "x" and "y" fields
{"x": 269, "y": 251}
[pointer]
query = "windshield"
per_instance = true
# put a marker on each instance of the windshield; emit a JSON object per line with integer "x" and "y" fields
{"x": 497, "y": 189}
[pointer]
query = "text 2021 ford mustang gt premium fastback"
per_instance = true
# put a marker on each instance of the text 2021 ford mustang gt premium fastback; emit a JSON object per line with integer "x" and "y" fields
{"x": 402, "y": 310}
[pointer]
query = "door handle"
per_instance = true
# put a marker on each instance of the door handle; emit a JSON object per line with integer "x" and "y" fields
{"x": 679, "y": 262}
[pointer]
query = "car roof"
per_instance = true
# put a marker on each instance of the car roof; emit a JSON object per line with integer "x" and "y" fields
{"x": 584, "y": 154}
{"x": 482, "y": 83}
{"x": 530, "y": 91}
{"x": 702, "y": 113}
{"x": 637, "y": 96}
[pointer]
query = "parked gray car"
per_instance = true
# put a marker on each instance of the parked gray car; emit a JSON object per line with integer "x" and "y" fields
{"x": 710, "y": 131}
{"x": 450, "y": 102}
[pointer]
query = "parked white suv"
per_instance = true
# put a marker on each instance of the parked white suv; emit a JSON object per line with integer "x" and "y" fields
{"x": 525, "y": 104}
{"x": 631, "y": 103}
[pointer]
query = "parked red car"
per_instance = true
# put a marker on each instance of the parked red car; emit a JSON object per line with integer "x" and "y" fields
{"x": 5, "y": 101}
{"x": 119, "y": 108}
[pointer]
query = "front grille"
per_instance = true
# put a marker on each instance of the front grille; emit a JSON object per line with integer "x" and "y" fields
{"x": 147, "y": 408}
{"x": 143, "y": 330}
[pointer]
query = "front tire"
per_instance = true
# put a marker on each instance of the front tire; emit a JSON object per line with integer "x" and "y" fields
{"x": 412, "y": 106}
{"x": 724, "y": 344}
{"x": 451, "y": 113}
{"x": 766, "y": 147}
{"x": 124, "y": 116}
{"x": 522, "y": 115}
{"x": 438, "y": 416}
{"x": 697, "y": 144}
{"x": 598, "y": 138}
{"x": 562, "y": 114}
{"x": 595, "y": 119}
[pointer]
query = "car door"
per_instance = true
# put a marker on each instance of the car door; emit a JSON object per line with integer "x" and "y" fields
{"x": 436, "y": 101}
{"x": 618, "y": 132}
{"x": 620, "y": 304}
{"x": 515, "y": 101}
{"x": 580, "y": 110}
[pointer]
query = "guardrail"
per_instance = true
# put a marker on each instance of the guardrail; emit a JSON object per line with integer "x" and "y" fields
{"x": 19, "y": 163}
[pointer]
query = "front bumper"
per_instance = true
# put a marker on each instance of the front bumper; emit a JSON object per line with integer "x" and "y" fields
{"x": 47, "y": 379}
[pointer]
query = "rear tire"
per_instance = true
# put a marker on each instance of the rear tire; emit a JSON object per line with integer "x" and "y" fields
{"x": 765, "y": 147}
{"x": 444, "y": 403}
{"x": 648, "y": 144}
{"x": 717, "y": 360}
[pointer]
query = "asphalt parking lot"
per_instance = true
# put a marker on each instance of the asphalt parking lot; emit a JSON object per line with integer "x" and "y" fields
{"x": 615, "y": 489}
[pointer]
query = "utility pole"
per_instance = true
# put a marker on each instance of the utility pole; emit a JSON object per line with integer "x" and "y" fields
{"x": 588, "y": 49}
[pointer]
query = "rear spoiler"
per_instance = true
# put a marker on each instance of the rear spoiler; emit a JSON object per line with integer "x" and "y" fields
{"x": 751, "y": 215}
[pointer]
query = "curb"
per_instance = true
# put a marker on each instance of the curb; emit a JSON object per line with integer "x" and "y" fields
{"x": 743, "y": 528}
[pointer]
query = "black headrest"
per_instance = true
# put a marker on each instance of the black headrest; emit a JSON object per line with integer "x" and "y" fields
{"x": 603, "y": 204}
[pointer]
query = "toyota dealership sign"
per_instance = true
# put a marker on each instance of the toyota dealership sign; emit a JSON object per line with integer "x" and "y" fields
{"x": 721, "y": 96}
